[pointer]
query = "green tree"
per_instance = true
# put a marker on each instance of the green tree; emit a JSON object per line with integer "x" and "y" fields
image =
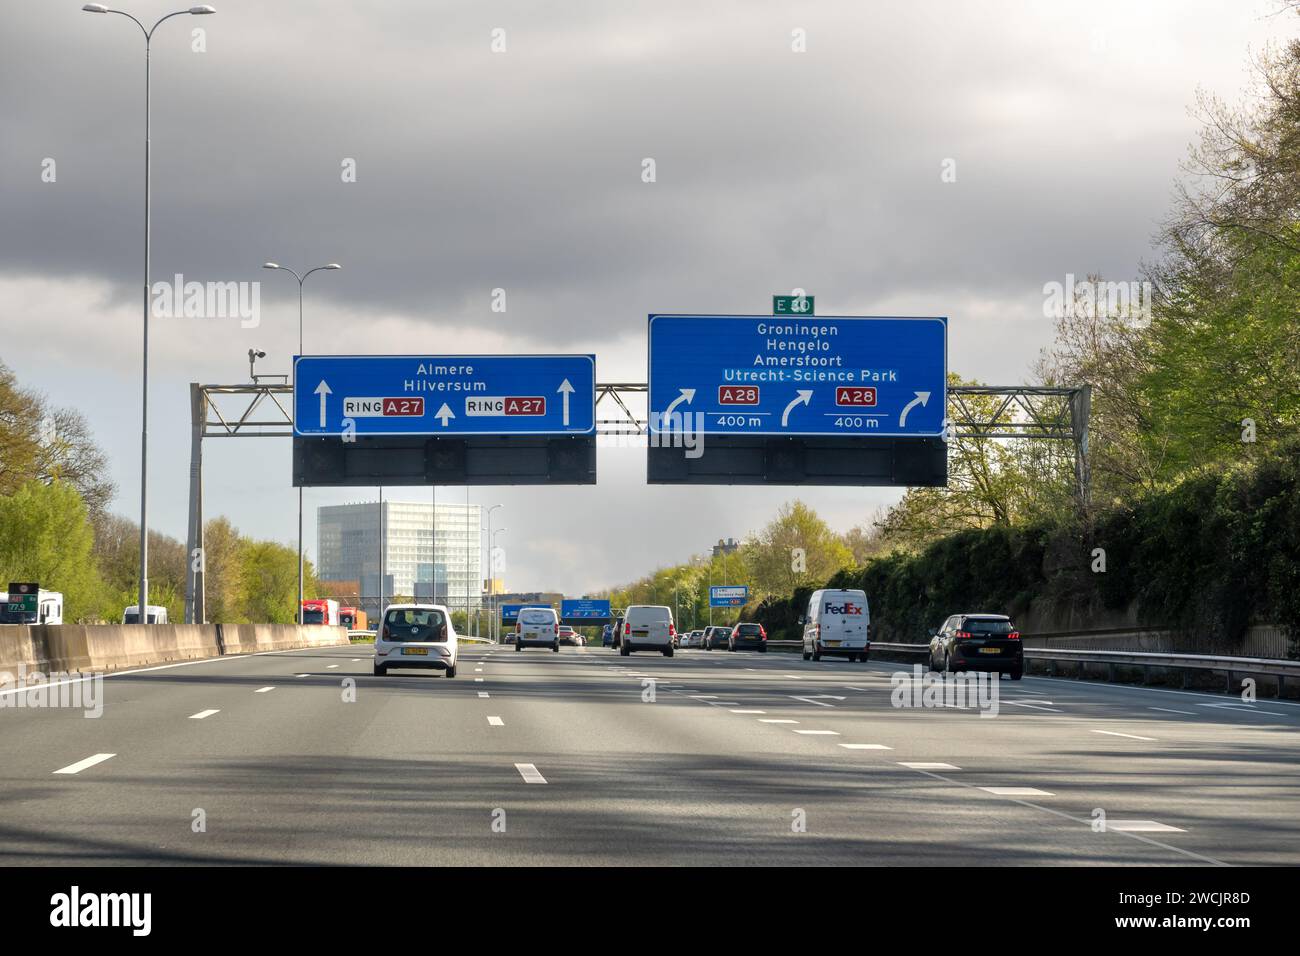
{"x": 795, "y": 549}
{"x": 269, "y": 581}
{"x": 45, "y": 536}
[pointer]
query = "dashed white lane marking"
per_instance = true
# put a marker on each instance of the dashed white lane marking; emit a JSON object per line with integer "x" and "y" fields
{"x": 81, "y": 765}
{"x": 496, "y": 722}
{"x": 529, "y": 773}
{"x": 1017, "y": 792}
{"x": 330, "y": 666}
{"x": 1169, "y": 710}
{"x": 744, "y": 711}
{"x": 1032, "y": 706}
{"x": 926, "y": 765}
{"x": 792, "y": 676}
{"x": 478, "y": 670}
{"x": 355, "y": 659}
{"x": 203, "y": 713}
{"x": 263, "y": 690}
{"x": 819, "y": 733}
{"x": 775, "y": 720}
{"x": 813, "y": 699}
{"x": 1142, "y": 826}
{"x": 865, "y": 747}
{"x": 1116, "y": 733}
{"x": 1246, "y": 709}
{"x": 478, "y": 680}
{"x": 301, "y": 675}
{"x": 704, "y": 696}
{"x": 482, "y": 693}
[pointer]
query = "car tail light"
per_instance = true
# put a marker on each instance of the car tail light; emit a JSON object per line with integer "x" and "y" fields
{"x": 762, "y": 633}
{"x": 672, "y": 630}
{"x": 961, "y": 634}
{"x": 384, "y": 633}
{"x": 1013, "y": 636}
{"x": 627, "y": 628}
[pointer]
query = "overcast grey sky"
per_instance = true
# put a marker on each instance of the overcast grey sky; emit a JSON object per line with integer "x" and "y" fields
{"x": 522, "y": 170}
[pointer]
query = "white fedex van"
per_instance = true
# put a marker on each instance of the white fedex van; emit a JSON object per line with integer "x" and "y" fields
{"x": 648, "y": 627}
{"x": 837, "y": 622}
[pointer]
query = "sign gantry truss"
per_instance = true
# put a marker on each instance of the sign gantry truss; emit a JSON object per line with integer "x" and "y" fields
{"x": 264, "y": 410}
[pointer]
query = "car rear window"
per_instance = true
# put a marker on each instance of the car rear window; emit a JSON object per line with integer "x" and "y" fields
{"x": 977, "y": 626}
{"x": 645, "y": 615}
{"x": 749, "y": 630}
{"x": 415, "y": 624}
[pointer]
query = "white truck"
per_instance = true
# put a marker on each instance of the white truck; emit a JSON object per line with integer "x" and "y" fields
{"x": 157, "y": 614}
{"x": 49, "y": 609}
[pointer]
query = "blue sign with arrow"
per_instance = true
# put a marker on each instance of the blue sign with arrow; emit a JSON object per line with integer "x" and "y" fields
{"x": 855, "y": 376}
{"x": 441, "y": 395}
{"x": 584, "y": 607}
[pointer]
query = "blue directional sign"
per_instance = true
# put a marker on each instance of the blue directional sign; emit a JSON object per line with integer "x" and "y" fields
{"x": 798, "y": 375}
{"x": 510, "y": 612}
{"x": 448, "y": 395}
{"x": 728, "y": 595}
{"x": 584, "y": 607}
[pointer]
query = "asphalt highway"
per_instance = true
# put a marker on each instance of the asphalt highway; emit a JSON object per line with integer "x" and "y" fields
{"x": 588, "y": 758}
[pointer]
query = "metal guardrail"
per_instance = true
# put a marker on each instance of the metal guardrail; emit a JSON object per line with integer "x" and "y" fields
{"x": 1272, "y": 667}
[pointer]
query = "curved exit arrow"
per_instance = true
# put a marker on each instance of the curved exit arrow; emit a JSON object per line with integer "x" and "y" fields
{"x": 687, "y": 395}
{"x": 804, "y": 398}
{"x": 922, "y": 398}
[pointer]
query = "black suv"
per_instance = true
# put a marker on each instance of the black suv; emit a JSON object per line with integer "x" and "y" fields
{"x": 978, "y": 642}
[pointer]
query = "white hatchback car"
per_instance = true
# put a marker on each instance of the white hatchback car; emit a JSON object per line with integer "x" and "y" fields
{"x": 416, "y": 635}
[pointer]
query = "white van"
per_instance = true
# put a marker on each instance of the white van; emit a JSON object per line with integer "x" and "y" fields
{"x": 537, "y": 627}
{"x": 837, "y": 622}
{"x": 157, "y": 615}
{"x": 648, "y": 627}
{"x": 49, "y": 609}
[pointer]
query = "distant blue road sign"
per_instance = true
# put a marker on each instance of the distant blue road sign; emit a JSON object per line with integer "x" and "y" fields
{"x": 510, "y": 612}
{"x": 584, "y": 608}
{"x": 448, "y": 395}
{"x": 798, "y": 375}
{"x": 728, "y": 595}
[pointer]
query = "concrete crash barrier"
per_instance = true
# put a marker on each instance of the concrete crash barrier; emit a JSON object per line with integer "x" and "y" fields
{"x": 106, "y": 647}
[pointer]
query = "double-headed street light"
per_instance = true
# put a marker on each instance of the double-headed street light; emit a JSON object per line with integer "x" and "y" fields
{"x": 494, "y": 625}
{"x": 489, "y": 568}
{"x": 144, "y": 374}
{"x": 301, "y": 279}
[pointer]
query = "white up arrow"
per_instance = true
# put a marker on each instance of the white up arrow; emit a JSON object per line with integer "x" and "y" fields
{"x": 322, "y": 390}
{"x": 444, "y": 414}
{"x": 566, "y": 389}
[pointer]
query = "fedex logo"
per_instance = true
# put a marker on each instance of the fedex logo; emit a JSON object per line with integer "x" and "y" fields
{"x": 848, "y": 607}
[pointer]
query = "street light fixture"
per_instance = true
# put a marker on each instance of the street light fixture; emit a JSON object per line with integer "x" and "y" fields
{"x": 301, "y": 279}
{"x": 144, "y": 373}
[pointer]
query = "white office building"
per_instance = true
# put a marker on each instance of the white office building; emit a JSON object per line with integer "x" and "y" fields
{"x": 428, "y": 555}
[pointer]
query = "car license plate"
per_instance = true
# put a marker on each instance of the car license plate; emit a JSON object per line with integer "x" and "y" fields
{"x": 832, "y": 643}
{"x": 990, "y": 650}
{"x": 416, "y": 651}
